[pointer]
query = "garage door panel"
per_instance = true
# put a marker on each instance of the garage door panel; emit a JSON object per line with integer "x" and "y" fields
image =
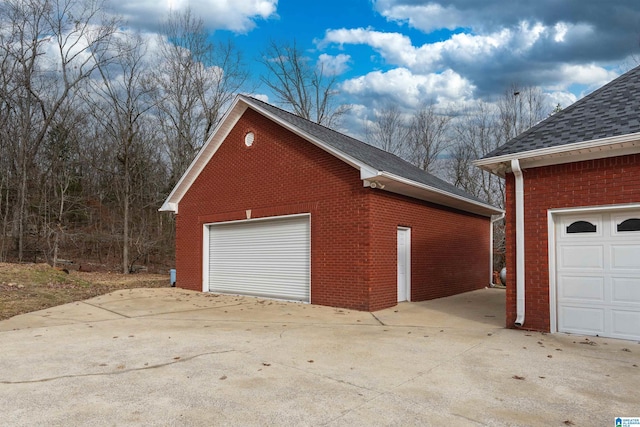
{"x": 582, "y": 288}
{"x": 582, "y": 319}
{"x": 625, "y": 323}
{"x": 626, "y": 290}
{"x": 574, "y": 256}
{"x": 625, "y": 257}
{"x": 268, "y": 258}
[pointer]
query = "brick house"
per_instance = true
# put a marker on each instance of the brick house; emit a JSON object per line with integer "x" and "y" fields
{"x": 573, "y": 216}
{"x": 277, "y": 206}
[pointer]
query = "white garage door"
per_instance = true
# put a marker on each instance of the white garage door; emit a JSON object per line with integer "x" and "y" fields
{"x": 598, "y": 274}
{"x": 269, "y": 258}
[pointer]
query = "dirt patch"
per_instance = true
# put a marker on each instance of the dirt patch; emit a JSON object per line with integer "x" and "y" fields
{"x": 30, "y": 287}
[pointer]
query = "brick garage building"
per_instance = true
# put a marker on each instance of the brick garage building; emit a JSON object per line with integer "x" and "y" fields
{"x": 278, "y": 206}
{"x": 573, "y": 216}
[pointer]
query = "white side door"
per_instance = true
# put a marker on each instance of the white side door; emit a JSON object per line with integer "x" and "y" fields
{"x": 404, "y": 264}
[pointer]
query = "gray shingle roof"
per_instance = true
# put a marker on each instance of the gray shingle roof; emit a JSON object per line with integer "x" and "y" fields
{"x": 365, "y": 153}
{"x": 612, "y": 110}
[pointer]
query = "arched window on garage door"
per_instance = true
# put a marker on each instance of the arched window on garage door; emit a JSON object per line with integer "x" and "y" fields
{"x": 581, "y": 227}
{"x": 631, "y": 224}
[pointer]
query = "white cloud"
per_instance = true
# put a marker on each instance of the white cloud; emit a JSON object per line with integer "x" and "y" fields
{"x": 396, "y": 48}
{"x": 460, "y": 49}
{"x": 238, "y": 15}
{"x": 334, "y": 65}
{"x": 261, "y": 96}
{"x": 561, "y": 30}
{"x": 589, "y": 75}
{"x": 426, "y": 17}
{"x": 408, "y": 89}
{"x": 564, "y": 99}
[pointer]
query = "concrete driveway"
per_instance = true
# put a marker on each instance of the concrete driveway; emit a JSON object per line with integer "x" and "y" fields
{"x": 173, "y": 357}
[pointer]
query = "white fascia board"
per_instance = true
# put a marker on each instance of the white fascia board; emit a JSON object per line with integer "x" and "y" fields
{"x": 482, "y": 206}
{"x": 203, "y": 157}
{"x": 579, "y": 151}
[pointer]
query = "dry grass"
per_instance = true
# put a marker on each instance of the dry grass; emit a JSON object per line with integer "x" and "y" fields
{"x": 30, "y": 287}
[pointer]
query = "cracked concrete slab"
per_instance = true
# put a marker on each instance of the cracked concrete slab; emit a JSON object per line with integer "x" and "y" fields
{"x": 174, "y": 357}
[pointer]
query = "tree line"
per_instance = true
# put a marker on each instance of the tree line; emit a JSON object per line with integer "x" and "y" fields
{"x": 445, "y": 142}
{"x": 96, "y": 127}
{"x": 97, "y": 124}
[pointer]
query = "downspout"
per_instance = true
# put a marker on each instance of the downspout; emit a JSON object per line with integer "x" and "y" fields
{"x": 517, "y": 172}
{"x": 493, "y": 221}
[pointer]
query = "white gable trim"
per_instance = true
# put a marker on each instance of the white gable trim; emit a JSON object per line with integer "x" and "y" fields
{"x": 587, "y": 150}
{"x": 204, "y": 156}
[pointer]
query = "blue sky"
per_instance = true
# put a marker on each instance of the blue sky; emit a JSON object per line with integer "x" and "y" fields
{"x": 451, "y": 52}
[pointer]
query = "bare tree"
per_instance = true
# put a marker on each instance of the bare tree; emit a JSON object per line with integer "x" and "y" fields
{"x": 388, "y": 130}
{"x": 196, "y": 79}
{"x": 45, "y": 47}
{"x": 60, "y": 163}
{"x": 428, "y": 136}
{"x": 476, "y": 133}
{"x": 520, "y": 108}
{"x": 120, "y": 100}
{"x": 299, "y": 84}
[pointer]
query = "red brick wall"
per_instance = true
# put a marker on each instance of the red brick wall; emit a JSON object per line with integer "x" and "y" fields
{"x": 449, "y": 249}
{"x": 282, "y": 174}
{"x": 611, "y": 181}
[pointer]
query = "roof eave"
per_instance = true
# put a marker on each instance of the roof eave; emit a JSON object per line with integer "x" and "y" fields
{"x": 586, "y": 150}
{"x": 417, "y": 190}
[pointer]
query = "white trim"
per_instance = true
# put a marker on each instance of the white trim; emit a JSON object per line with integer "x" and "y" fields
{"x": 264, "y": 218}
{"x": 205, "y": 257}
{"x": 568, "y": 153}
{"x": 408, "y": 260}
{"x": 205, "y": 244}
{"x": 484, "y": 206}
{"x": 553, "y": 292}
{"x": 552, "y": 215}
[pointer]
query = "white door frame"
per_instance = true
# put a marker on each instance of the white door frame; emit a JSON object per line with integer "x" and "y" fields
{"x": 552, "y": 218}
{"x": 407, "y": 270}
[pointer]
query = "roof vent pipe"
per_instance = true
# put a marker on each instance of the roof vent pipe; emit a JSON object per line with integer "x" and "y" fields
{"x": 520, "y": 288}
